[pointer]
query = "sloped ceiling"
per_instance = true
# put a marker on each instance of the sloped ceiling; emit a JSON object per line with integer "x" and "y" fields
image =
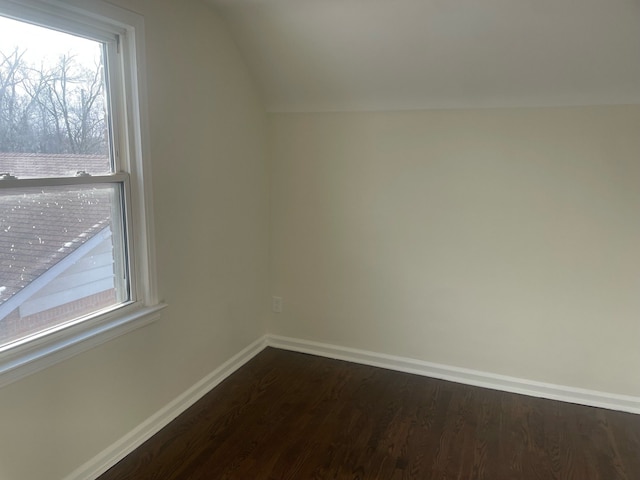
{"x": 323, "y": 55}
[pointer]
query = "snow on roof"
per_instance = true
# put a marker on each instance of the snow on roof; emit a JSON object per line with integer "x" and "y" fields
{"x": 40, "y": 227}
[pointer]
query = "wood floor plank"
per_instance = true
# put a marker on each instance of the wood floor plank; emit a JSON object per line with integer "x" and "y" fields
{"x": 290, "y": 416}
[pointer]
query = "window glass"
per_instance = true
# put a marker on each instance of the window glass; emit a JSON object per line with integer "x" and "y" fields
{"x": 53, "y": 103}
{"x": 60, "y": 256}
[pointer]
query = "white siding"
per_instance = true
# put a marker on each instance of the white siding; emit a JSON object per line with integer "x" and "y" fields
{"x": 91, "y": 274}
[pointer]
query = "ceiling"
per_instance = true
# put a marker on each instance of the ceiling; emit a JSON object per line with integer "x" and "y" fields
{"x": 335, "y": 55}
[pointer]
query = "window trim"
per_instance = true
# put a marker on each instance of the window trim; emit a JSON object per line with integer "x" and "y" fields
{"x": 103, "y": 22}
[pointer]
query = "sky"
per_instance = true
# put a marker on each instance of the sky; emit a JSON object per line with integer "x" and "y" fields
{"x": 43, "y": 44}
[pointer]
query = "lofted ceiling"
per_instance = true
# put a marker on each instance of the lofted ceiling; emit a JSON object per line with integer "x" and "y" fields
{"x": 325, "y": 55}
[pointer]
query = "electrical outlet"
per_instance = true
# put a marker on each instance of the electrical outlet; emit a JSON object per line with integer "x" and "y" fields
{"x": 276, "y": 304}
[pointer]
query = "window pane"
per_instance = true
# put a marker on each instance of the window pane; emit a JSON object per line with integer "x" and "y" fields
{"x": 61, "y": 256}
{"x": 53, "y": 103}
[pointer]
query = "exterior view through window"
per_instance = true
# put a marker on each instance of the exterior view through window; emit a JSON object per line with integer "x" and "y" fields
{"x": 63, "y": 250}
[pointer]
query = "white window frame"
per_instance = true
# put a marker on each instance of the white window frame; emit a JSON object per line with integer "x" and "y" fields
{"x": 102, "y": 21}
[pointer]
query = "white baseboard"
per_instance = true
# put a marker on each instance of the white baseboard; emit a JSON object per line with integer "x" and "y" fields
{"x": 127, "y": 444}
{"x": 504, "y": 383}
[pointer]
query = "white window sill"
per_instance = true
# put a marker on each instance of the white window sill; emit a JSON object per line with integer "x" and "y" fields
{"x": 22, "y": 360}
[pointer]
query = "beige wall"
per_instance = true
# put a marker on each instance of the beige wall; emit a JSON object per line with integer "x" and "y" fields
{"x": 211, "y": 205}
{"x": 505, "y": 241}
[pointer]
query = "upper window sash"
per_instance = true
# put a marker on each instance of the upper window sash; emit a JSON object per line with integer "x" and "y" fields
{"x": 65, "y": 17}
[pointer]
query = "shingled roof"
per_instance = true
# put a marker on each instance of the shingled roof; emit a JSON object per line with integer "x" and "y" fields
{"x": 32, "y": 165}
{"x": 41, "y": 227}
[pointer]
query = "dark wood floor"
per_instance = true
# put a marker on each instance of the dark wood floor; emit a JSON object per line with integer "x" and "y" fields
{"x": 292, "y": 416}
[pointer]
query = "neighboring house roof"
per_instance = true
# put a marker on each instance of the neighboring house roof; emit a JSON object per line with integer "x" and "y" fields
{"x": 39, "y": 229}
{"x": 26, "y": 165}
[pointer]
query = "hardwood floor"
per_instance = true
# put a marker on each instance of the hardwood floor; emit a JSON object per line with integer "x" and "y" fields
{"x": 292, "y": 416}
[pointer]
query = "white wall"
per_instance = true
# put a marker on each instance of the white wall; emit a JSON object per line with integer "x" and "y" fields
{"x": 505, "y": 241}
{"x": 211, "y": 205}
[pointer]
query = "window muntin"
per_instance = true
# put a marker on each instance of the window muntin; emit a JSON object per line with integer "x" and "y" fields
{"x": 62, "y": 128}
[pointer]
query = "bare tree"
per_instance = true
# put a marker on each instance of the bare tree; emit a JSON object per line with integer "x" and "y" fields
{"x": 12, "y": 108}
{"x": 56, "y": 109}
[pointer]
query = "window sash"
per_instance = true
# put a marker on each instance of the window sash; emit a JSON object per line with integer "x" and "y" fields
{"x": 124, "y": 257}
{"x": 117, "y": 108}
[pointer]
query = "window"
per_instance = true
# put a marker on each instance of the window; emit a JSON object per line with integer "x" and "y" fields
{"x": 76, "y": 257}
